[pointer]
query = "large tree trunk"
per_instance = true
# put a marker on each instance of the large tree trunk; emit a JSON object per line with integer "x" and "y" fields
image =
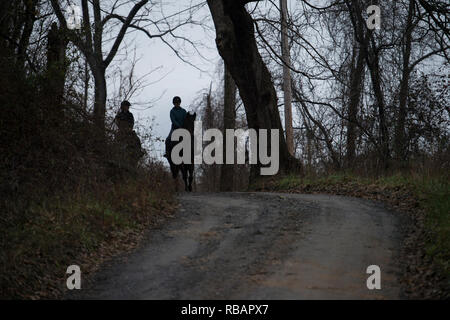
{"x": 86, "y": 85}
{"x": 56, "y": 70}
{"x": 356, "y": 84}
{"x": 236, "y": 43}
{"x": 399, "y": 140}
{"x": 29, "y": 20}
{"x": 286, "y": 79}
{"x": 100, "y": 97}
{"x": 209, "y": 120}
{"x": 229, "y": 122}
{"x": 212, "y": 171}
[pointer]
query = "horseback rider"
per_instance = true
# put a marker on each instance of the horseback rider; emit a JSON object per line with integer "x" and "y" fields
{"x": 124, "y": 118}
{"x": 177, "y": 116}
{"x": 126, "y": 136}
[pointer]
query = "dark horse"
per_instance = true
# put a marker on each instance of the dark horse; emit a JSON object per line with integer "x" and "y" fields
{"x": 187, "y": 169}
{"x": 130, "y": 147}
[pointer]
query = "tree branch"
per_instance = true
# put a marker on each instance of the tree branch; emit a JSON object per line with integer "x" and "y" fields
{"x": 123, "y": 30}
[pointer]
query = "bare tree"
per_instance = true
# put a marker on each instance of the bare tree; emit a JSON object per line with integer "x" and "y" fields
{"x": 236, "y": 43}
{"x": 90, "y": 42}
{"x": 355, "y": 91}
{"x": 286, "y": 77}
{"x": 229, "y": 122}
{"x": 404, "y": 85}
{"x": 56, "y": 65}
{"x": 371, "y": 51}
{"x": 17, "y": 19}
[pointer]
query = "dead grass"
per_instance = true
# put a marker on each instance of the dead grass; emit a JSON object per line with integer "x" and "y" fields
{"x": 83, "y": 229}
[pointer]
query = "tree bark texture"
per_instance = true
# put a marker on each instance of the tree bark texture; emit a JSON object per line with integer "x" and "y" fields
{"x": 229, "y": 122}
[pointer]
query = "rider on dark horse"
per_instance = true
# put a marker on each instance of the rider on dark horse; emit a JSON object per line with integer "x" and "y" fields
{"x": 177, "y": 116}
{"x": 126, "y": 136}
{"x": 124, "y": 118}
{"x": 181, "y": 120}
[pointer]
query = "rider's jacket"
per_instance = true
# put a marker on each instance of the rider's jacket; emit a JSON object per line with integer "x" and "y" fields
{"x": 177, "y": 116}
{"x": 125, "y": 120}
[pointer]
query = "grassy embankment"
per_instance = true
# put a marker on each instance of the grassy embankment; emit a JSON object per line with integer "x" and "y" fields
{"x": 84, "y": 228}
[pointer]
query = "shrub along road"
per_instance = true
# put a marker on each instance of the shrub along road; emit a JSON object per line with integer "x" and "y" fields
{"x": 260, "y": 246}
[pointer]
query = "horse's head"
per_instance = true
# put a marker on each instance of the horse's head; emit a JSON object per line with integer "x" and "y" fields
{"x": 189, "y": 121}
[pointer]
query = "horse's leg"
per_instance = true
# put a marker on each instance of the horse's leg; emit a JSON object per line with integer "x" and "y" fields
{"x": 184, "y": 172}
{"x": 177, "y": 181}
{"x": 174, "y": 171}
{"x": 191, "y": 177}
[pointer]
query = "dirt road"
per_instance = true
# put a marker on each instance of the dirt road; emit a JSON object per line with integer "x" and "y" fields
{"x": 260, "y": 246}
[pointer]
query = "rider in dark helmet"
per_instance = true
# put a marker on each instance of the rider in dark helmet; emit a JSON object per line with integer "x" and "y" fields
{"x": 177, "y": 116}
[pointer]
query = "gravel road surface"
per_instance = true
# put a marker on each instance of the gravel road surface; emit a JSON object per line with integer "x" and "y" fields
{"x": 260, "y": 246}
